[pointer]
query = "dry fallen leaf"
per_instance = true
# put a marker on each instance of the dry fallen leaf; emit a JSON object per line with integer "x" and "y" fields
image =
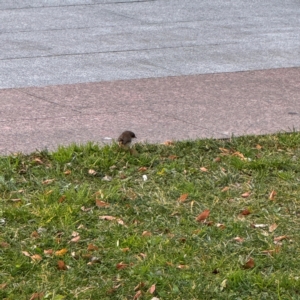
{"x": 38, "y": 161}
{"x": 125, "y": 249}
{"x": 35, "y": 234}
{"x": 3, "y": 286}
{"x": 280, "y": 238}
{"x": 203, "y": 216}
{"x": 168, "y": 143}
{"x": 75, "y": 239}
{"x": 272, "y": 195}
{"x": 245, "y": 195}
{"x": 221, "y": 226}
{"x": 183, "y": 197}
{"x": 61, "y": 265}
{"x": 26, "y": 253}
{"x": 224, "y": 151}
{"x": 217, "y": 159}
{"x": 62, "y": 199}
{"x": 258, "y": 147}
{"x": 152, "y": 289}
{"x": 109, "y": 218}
{"x": 182, "y": 267}
{"x": 203, "y": 169}
{"x": 36, "y": 257}
{"x": 273, "y": 227}
{"x": 37, "y": 296}
{"x": 137, "y": 295}
{"x": 239, "y": 155}
{"x": 146, "y": 233}
{"x": 61, "y": 252}
{"x": 225, "y": 189}
{"x": 101, "y": 203}
{"x": 238, "y": 239}
{"x": 142, "y": 169}
{"x": 4, "y": 245}
{"x": 249, "y": 264}
{"x": 92, "y": 247}
{"x": 272, "y": 251}
{"x": 92, "y": 172}
{"x": 48, "y": 251}
{"x": 67, "y": 172}
{"x": 173, "y": 157}
{"x": 121, "y": 266}
{"x": 246, "y": 212}
{"x": 48, "y": 181}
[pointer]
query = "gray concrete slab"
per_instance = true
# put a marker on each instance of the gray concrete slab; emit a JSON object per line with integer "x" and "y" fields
{"x": 42, "y": 41}
{"x": 79, "y": 70}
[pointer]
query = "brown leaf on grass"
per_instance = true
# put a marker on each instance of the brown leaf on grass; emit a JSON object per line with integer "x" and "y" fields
{"x": 239, "y": 155}
{"x": 271, "y": 251}
{"x": 37, "y": 296}
{"x": 36, "y": 257}
{"x": 62, "y": 199}
{"x": 3, "y": 286}
{"x": 238, "y": 239}
{"x": 224, "y": 151}
{"x": 35, "y": 234}
{"x": 203, "y": 216}
{"x": 67, "y": 172}
{"x": 15, "y": 200}
{"x": 137, "y": 295}
{"x": 258, "y": 147}
{"x": 246, "y": 212}
{"x": 121, "y": 266}
{"x": 85, "y": 209}
{"x": 47, "y": 181}
{"x": 109, "y": 218}
{"x": 4, "y": 245}
{"x": 26, "y": 253}
{"x": 280, "y": 238}
{"x": 38, "y": 161}
{"x": 92, "y": 172}
{"x": 225, "y": 189}
{"x": 146, "y": 233}
{"x": 92, "y": 247}
{"x": 143, "y": 255}
{"x": 48, "y": 251}
{"x": 217, "y": 159}
{"x": 273, "y": 227}
{"x": 272, "y": 195}
{"x": 173, "y": 157}
{"x": 245, "y": 195}
{"x": 221, "y": 226}
{"x": 142, "y": 169}
{"x": 125, "y": 249}
{"x": 61, "y": 265}
{"x": 182, "y": 267}
{"x": 168, "y": 143}
{"x": 183, "y": 197}
{"x": 61, "y": 252}
{"x": 203, "y": 169}
{"x": 75, "y": 239}
{"x": 100, "y": 203}
{"x": 249, "y": 264}
{"x": 152, "y": 288}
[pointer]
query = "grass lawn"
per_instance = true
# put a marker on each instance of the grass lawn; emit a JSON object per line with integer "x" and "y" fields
{"x": 200, "y": 219}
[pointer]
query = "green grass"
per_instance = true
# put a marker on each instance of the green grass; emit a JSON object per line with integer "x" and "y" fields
{"x": 48, "y": 198}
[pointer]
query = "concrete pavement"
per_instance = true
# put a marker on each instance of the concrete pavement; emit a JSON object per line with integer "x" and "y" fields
{"x": 73, "y": 71}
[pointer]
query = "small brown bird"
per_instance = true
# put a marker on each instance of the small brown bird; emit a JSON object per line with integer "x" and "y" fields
{"x": 125, "y": 138}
